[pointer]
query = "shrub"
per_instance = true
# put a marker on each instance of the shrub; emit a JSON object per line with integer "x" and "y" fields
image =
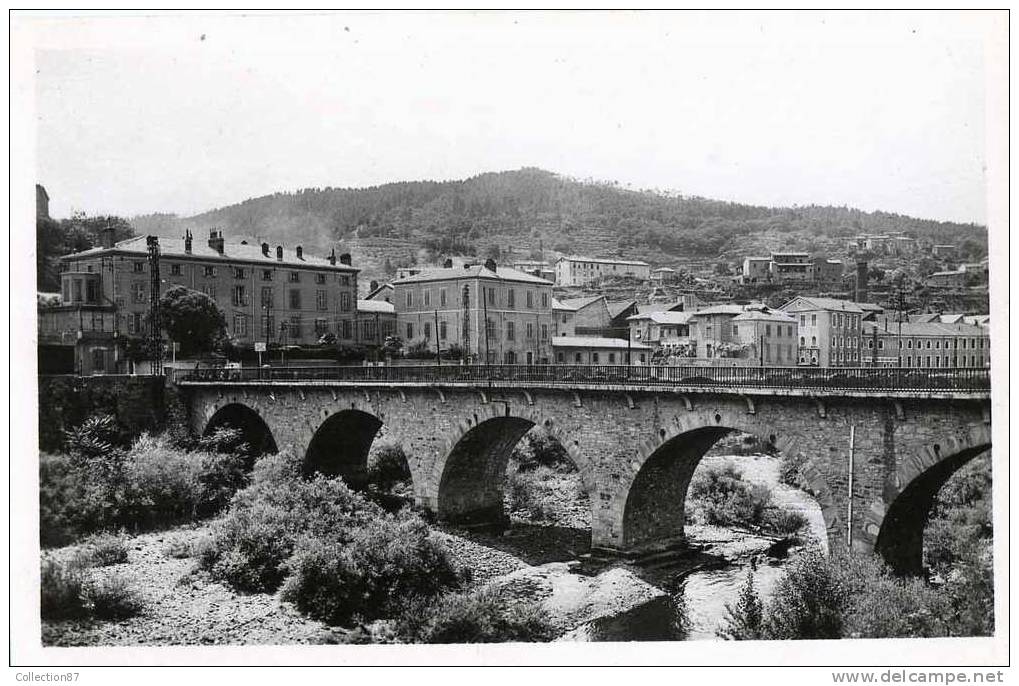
{"x": 106, "y": 549}
{"x": 374, "y": 573}
{"x": 387, "y": 466}
{"x": 782, "y": 522}
{"x": 540, "y": 449}
{"x": 809, "y": 601}
{"x": 60, "y": 589}
{"x": 744, "y": 621}
{"x": 250, "y": 546}
{"x": 542, "y": 493}
{"x": 475, "y": 617}
{"x": 95, "y": 438}
{"x": 112, "y": 598}
{"x": 790, "y": 469}
{"x": 180, "y": 549}
{"x": 723, "y": 498}
{"x": 59, "y": 500}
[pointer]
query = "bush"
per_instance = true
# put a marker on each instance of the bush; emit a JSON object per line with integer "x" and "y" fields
{"x": 387, "y": 466}
{"x": 809, "y": 601}
{"x": 744, "y": 621}
{"x": 782, "y": 522}
{"x": 790, "y": 470}
{"x": 250, "y": 546}
{"x": 542, "y": 493}
{"x": 475, "y": 617}
{"x": 61, "y": 589}
{"x": 106, "y": 549}
{"x": 540, "y": 449}
{"x": 58, "y": 500}
{"x": 180, "y": 549}
{"x": 375, "y": 573}
{"x": 112, "y": 598}
{"x": 723, "y": 498}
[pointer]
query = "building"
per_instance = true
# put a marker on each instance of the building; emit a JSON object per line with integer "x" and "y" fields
{"x": 828, "y": 272}
{"x": 578, "y": 271}
{"x": 511, "y": 324}
{"x": 711, "y": 329}
{"x": 943, "y": 250}
{"x": 829, "y": 331}
{"x": 766, "y": 336}
{"x": 588, "y": 316}
{"x": 791, "y": 266}
{"x": 376, "y": 319}
{"x": 947, "y": 279}
{"x": 383, "y": 292}
{"x": 926, "y": 345}
{"x": 277, "y": 295}
{"x": 538, "y": 268}
{"x": 593, "y": 350}
{"x": 755, "y": 269}
{"x": 661, "y": 329}
{"x": 785, "y": 267}
{"x": 663, "y": 275}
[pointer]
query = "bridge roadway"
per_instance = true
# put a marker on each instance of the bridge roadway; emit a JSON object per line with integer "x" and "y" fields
{"x": 635, "y": 434}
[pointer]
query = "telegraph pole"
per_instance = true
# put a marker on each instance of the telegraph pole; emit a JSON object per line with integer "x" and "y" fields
{"x": 155, "y": 326}
{"x": 438, "y": 355}
{"x": 467, "y": 324}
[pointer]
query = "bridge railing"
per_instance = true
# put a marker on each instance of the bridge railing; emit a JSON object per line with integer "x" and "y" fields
{"x": 847, "y": 378}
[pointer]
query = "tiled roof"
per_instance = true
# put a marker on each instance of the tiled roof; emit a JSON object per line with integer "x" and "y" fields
{"x": 605, "y": 260}
{"x": 720, "y": 309}
{"x": 926, "y": 329}
{"x": 235, "y": 252}
{"x": 825, "y": 304}
{"x": 476, "y": 271}
{"x": 595, "y": 342}
{"x": 617, "y": 307}
{"x": 580, "y": 303}
{"x": 757, "y": 315}
{"x": 376, "y": 306}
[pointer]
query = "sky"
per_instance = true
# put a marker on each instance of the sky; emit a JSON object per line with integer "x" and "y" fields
{"x": 185, "y": 114}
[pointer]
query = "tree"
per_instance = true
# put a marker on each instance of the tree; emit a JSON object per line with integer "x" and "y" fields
{"x": 192, "y": 319}
{"x": 744, "y": 621}
{"x": 54, "y": 239}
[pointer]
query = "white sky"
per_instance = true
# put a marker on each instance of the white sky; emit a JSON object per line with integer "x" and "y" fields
{"x": 874, "y": 111}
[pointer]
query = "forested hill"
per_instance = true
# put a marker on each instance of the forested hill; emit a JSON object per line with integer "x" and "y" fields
{"x": 520, "y": 210}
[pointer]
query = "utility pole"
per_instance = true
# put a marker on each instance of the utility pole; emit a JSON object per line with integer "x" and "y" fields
{"x": 438, "y": 356}
{"x": 467, "y": 324}
{"x": 283, "y": 343}
{"x": 484, "y": 301}
{"x": 155, "y": 324}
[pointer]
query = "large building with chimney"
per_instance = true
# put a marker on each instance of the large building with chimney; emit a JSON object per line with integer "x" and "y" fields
{"x": 267, "y": 294}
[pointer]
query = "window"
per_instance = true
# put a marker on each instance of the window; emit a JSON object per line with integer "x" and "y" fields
{"x": 530, "y": 300}
{"x": 928, "y": 344}
{"x": 767, "y": 330}
{"x": 137, "y": 291}
{"x": 209, "y": 271}
{"x": 612, "y": 358}
{"x": 344, "y": 280}
{"x": 735, "y": 330}
{"x": 239, "y": 272}
{"x": 789, "y": 331}
{"x": 345, "y": 328}
{"x": 174, "y": 270}
{"x": 320, "y": 279}
{"x": 240, "y": 298}
{"x": 813, "y": 320}
{"x": 427, "y": 299}
{"x": 510, "y": 331}
{"x": 544, "y": 332}
{"x": 268, "y": 326}
{"x": 442, "y": 326}
{"x": 321, "y": 327}
{"x": 320, "y": 300}
{"x": 594, "y": 358}
{"x": 937, "y": 344}
{"x": 530, "y": 330}
{"x": 511, "y": 298}
{"x": 491, "y": 296}
{"x": 560, "y": 358}
{"x": 209, "y": 290}
{"x": 345, "y": 301}
{"x": 427, "y": 330}
{"x": 91, "y": 291}
{"x": 410, "y": 298}
{"x": 295, "y": 277}
{"x": 410, "y": 331}
{"x": 544, "y": 300}
{"x": 802, "y": 341}
{"x": 294, "y": 330}
{"x": 139, "y": 267}
{"x": 880, "y": 345}
{"x": 442, "y": 297}
{"x": 67, "y": 290}
{"x": 266, "y": 296}
{"x": 813, "y": 341}
{"x": 489, "y": 328}
{"x": 803, "y": 320}
{"x": 577, "y": 358}
{"x": 266, "y": 275}
{"x": 295, "y": 299}
{"x": 240, "y": 325}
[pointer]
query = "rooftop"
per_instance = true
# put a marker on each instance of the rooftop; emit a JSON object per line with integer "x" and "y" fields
{"x": 574, "y": 304}
{"x": 236, "y": 252}
{"x": 476, "y": 271}
{"x": 380, "y": 306}
{"x": 603, "y": 260}
{"x": 824, "y": 304}
{"x": 666, "y": 317}
{"x": 772, "y": 316}
{"x": 927, "y": 329}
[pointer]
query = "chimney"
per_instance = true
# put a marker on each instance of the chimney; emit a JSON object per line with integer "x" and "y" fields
{"x": 861, "y": 281}
{"x": 373, "y": 286}
{"x": 300, "y": 253}
{"x": 187, "y": 241}
{"x": 332, "y": 257}
{"x": 345, "y": 258}
{"x": 448, "y": 264}
{"x": 216, "y": 241}
{"x": 265, "y": 249}
{"x": 106, "y": 236}
{"x": 490, "y": 265}
{"x": 279, "y": 253}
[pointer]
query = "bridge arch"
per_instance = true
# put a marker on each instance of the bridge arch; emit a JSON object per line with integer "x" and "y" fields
{"x": 651, "y": 514}
{"x": 254, "y": 429}
{"x": 340, "y": 445}
{"x": 893, "y": 526}
{"x": 467, "y": 479}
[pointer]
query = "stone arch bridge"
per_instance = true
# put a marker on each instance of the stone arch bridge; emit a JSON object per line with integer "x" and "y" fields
{"x": 635, "y": 438}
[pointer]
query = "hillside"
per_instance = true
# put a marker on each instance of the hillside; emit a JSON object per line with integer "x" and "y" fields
{"x": 513, "y": 213}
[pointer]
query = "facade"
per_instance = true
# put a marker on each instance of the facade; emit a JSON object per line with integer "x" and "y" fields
{"x": 944, "y": 250}
{"x": 949, "y": 279}
{"x": 590, "y": 315}
{"x": 768, "y": 337}
{"x": 663, "y": 275}
{"x": 756, "y": 269}
{"x": 512, "y": 324}
{"x": 577, "y": 271}
{"x": 661, "y": 329}
{"x": 376, "y": 319}
{"x": 537, "y": 268}
{"x": 594, "y": 350}
{"x": 711, "y": 329}
{"x": 926, "y": 345}
{"x": 830, "y": 331}
{"x": 282, "y": 295}
{"x": 791, "y": 266}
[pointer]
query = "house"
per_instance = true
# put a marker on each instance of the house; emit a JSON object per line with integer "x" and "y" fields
{"x": 767, "y": 336}
{"x": 755, "y": 269}
{"x": 943, "y": 250}
{"x": 383, "y": 292}
{"x": 947, "y": 279}
{"x": 578, "y": 271}
{"x": 265, "y": 294}
{"x": 791, "y": 266}
{"x": 376, "y": 319}
{"x": 927, "y": 345}
{"x": 829, "y": 331}
{"x": 594, "y": 350}
{"x": 661, "y": 328}
{"x": 495, "y": 314}
{"x": 663, "y": 275}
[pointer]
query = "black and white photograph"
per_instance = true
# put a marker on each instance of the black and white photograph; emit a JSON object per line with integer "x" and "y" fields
{"x": 511, "y": 338}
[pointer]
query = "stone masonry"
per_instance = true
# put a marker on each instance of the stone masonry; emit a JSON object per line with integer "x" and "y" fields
{"x": 636, "y": 450}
